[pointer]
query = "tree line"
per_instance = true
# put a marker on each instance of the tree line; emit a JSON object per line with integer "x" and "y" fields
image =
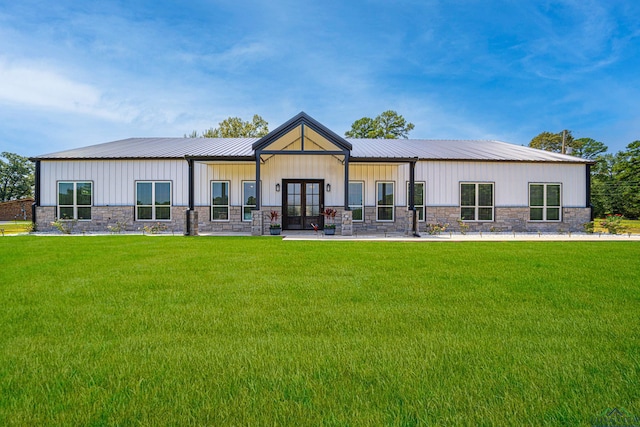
{"x": 615, "y": 177}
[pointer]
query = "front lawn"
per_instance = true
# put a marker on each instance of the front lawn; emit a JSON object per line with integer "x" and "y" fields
{"x": 155, "y": 330}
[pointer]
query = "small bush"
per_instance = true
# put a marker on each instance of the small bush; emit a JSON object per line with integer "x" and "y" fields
{"x": 436, "y": 228}
{"x": 613, "y": 224}
{"x": 65, "y": 226}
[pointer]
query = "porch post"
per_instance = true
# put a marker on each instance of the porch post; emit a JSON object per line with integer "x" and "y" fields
{"x": 258, "y": 186}
{"x": 346, "y": 181}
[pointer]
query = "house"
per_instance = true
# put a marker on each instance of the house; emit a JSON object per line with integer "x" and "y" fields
{"x": 204, "y": 185}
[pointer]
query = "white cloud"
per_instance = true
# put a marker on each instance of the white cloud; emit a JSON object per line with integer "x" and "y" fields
{"x": 33, "y": 86}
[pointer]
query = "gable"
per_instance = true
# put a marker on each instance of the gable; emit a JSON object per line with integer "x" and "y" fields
{"x": 302, "y": 134}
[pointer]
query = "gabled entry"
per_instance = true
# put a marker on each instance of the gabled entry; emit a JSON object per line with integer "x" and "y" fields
{"x": 302, "y": 135}
{"x": 302, "y": 204}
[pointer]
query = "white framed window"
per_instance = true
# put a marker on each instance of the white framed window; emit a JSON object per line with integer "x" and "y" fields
{"x": 545, "y": 202}
{"x": 356, "y": 200}
{"x": 418, "y": 198}
{"x": 153, "y": 201}
{"x": 476, "y": 201}
{"x": 75, "y": 199}
{"x": 248, "y": 199}
{"x": 385, "y": 201}
{"x": 219, "y": 200}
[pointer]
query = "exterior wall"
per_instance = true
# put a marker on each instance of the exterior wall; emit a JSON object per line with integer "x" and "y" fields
{"x": 114, "y": 191}
{"x": 114, "y": 180}
{"x": 16, "y": 210}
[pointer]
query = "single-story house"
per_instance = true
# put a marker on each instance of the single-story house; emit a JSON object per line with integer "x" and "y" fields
{"x": 301, "y": 168}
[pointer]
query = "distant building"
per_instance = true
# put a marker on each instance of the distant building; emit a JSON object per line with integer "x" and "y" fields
{"x": 16, "y": 210}
{"x": 212, "y": 185}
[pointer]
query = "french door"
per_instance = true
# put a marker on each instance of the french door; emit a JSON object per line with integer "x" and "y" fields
{"x": 302, "y": 204}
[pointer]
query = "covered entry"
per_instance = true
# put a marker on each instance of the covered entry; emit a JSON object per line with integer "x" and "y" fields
{"x": 302, "y": 204}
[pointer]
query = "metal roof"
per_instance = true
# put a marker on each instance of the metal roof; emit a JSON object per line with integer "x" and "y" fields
{"x": 362, "y": 150}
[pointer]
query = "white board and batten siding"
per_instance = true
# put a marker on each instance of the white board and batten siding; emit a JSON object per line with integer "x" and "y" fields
{"x": 511, "y": 180}
{"x": 272, "y": 172}
{"x": 114, "y": 180}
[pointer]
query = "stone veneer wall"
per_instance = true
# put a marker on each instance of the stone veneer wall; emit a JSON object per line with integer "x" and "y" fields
{"x": 508, "y": 219}
{"x": 403, "y": 222}
{"x": 105, "y": 216}
{"x": 233, "y": 225}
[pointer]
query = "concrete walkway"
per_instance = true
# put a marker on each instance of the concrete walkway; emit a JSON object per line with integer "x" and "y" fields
{"x": 457, "y": 237}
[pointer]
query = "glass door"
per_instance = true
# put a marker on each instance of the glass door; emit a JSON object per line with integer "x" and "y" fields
{"x": 302, "y": 204}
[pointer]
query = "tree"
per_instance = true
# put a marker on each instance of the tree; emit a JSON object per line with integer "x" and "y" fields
{"x": 605, "y": 197}
{"x": 388, "y": 125}
{"x": 16, "y": 177}
{"x": 235, "y": 127}
{"x": 551, "y": 141}
{"x": 628, "y": 178}
{"x": 588, "y": 148}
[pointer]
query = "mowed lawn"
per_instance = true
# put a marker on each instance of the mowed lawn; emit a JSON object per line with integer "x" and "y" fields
{"x": 154, "y": 330}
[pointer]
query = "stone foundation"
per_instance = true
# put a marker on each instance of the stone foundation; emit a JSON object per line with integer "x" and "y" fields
{"x": 103, "y": 217}
{"x": 402, "y": 223}
{"x": 507, "y": 219}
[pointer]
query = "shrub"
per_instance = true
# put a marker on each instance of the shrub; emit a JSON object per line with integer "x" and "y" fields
{"x": 613, "y": 224}
{"x": 589, "y": 227}
{"x": 464, "y": 227}
{"x": 65, "y": 226}
{"x": 436, "y": 228}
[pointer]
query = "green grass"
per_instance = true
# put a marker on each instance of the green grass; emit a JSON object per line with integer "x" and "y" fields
{"x": 127, "y": 330}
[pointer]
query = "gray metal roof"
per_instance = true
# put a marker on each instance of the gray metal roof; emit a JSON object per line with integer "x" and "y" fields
{"x": 363, "y": 150}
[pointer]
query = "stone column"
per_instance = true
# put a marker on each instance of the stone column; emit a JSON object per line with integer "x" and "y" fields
{"x": 194, "y": 222}
{"x": 347, "y": 223}
{"x": 191, "y": 223}
{"x": 408, "y": 218}
{"x": 256, "y": 223}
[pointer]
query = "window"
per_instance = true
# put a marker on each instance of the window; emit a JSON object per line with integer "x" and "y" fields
{"x": 544, "y": 202}
{"x": 75, "y": 200}
{"x": 220, "y": 200}
{"x": 356, "y": 200}
{"x": 153, "y": 201}
{"x": 248, "y": 199}
{"x": 476, "y": 201}
{"x": 385, "y": 201}
{"x": 418, "y": 198}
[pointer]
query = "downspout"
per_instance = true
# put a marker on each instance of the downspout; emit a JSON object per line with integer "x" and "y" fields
{"x": 258, "y": 186}
{"x": 36, "y": 194}
{"x": 412, "y": 197}
{"x": 588, "y": 201}
{"x": 189, "y": 212}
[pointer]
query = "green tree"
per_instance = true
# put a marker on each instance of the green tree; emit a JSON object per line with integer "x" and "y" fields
{"x": 605, "y": 197}
{"x": 588, "y": 148}
{"x": 235, "y": 127}
{"x": 388, "y": 125}
{"x": 627, "y": 171}
{"x": 551, "y": 141}
{"x": 16, "y": 177}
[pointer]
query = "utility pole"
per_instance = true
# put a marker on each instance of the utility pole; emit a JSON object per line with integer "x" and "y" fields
{"x": 564, "y": 140}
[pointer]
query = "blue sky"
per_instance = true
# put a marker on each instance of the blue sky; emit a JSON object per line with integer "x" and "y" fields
{"x": 75, "y": 73}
